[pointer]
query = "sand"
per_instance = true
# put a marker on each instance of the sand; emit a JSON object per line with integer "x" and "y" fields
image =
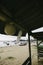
{"x": 16, "y": 55}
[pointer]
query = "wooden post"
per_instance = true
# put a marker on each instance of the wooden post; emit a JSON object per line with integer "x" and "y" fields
{"x": 29, "y": 48}
{"x": 37, "y": 50}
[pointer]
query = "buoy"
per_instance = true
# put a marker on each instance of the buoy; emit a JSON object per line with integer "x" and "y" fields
{"x": 10, "y": 29}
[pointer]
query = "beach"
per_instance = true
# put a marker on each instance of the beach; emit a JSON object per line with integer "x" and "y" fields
{"x": 16, "y": 55}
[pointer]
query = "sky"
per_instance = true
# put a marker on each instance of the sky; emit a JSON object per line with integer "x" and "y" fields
{"x": 38, "y": 30}
{"x": 12, "y": 38}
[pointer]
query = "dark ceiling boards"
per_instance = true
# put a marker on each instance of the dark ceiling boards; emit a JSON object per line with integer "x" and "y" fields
{"x": 26, "y": 14}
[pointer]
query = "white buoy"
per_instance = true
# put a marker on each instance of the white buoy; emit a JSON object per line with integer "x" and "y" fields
{"x": 19, "y": 36}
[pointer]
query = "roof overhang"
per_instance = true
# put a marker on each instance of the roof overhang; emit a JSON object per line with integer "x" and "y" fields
{"x": 26, "y": 15}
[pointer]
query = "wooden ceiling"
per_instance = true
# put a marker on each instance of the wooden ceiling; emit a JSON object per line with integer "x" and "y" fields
{"x": 26, "y": 15}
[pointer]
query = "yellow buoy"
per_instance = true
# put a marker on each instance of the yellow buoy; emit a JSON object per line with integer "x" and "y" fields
{"x": 9, "y": 29}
